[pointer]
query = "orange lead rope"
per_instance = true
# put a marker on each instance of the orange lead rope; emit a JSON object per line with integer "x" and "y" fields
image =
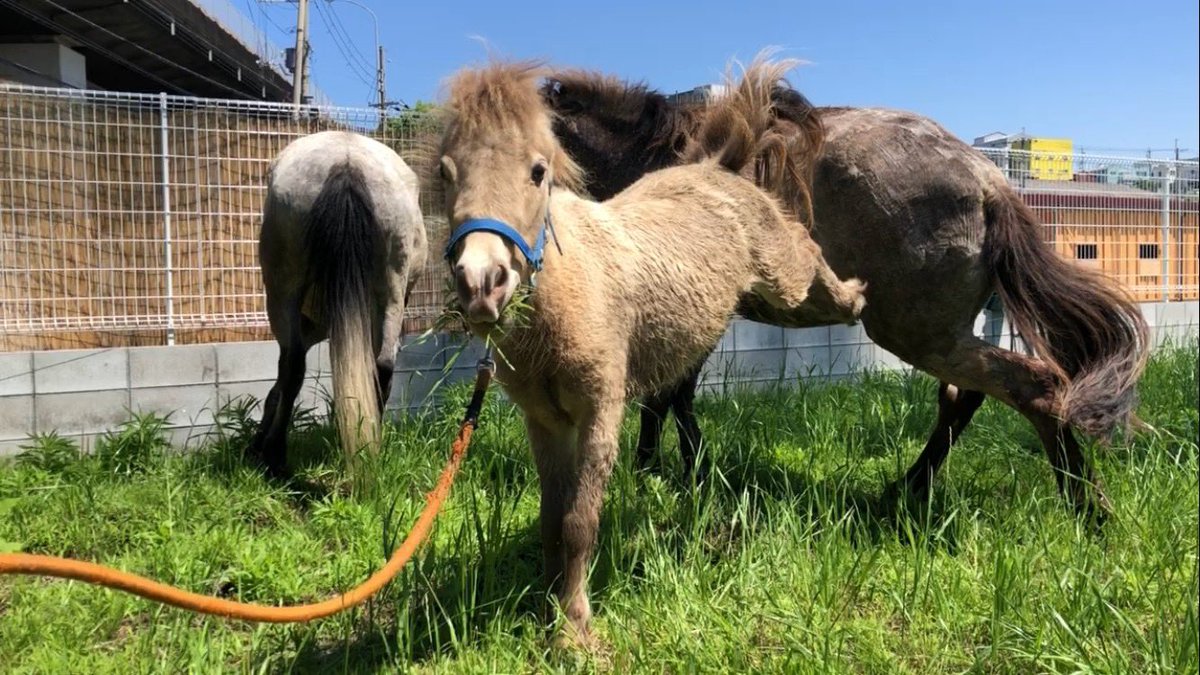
{"x": 41, "y": 565}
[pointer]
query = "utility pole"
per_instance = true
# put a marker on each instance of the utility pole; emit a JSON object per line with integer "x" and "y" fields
{"x": 300, "y": 74}
{"x": 383, "y": 94}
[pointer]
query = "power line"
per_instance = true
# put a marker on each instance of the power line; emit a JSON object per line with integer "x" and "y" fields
{"x": 359, "y": 69}
{"x": 1142, "y": 149}
{"x": 346, "y": 39}
{"x": 260, "y": 35}
{"x": 165, "y": 19}
{"x": 343, "y": 42}
{"x": 268, "y": 17}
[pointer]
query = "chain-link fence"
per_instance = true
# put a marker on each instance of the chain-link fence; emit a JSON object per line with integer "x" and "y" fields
{"x": 131, "y": 219}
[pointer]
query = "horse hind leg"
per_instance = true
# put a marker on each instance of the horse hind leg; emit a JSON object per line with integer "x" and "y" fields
{"x": 1077, "y": 481}
{"x": 1033, "y": 389}
{"x": 270, "y": 442}
{"x": 387, "y": 334}
{"x": 956, "y": 407}
{"x": 387, "y": 344}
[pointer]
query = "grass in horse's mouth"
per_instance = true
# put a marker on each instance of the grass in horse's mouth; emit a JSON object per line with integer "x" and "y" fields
{"x": 514, "y": 315}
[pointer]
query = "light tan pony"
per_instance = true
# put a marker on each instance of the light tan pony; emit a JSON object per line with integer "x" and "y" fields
{"x": 630, "y": 293}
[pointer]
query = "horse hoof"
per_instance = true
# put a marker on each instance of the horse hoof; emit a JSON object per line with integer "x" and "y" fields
{"x": 1097, "y": 511}
{"x": 902, "y": 490}
{"x": 570, "y": 638}
{"x": 277, "y": 472}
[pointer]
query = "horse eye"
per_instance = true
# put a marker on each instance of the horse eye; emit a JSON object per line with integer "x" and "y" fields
{"x": 538, "y": 174}
{"x": 444, "y": 170}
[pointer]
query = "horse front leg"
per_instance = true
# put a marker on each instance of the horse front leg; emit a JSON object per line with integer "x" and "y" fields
{"x": 796, "y": 279}
{"x": 597, "y": 450}
{"x": 554, "y": 449}
{"x": 685, "y": 419}
{"x": 956, "y": 407}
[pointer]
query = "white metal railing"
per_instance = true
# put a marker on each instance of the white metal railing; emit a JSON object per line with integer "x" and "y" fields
{"x": 127, "y": 213}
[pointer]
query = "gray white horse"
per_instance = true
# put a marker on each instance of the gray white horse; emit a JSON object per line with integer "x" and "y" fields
{"x": 341, "y": 246}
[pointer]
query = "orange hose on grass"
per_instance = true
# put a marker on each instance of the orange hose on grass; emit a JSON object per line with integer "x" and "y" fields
{"x": 91, "y": 573}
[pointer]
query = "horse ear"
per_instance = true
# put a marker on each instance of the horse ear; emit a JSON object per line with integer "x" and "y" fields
{"x": 558, "y": 96}
{"x": 550, "y": 91}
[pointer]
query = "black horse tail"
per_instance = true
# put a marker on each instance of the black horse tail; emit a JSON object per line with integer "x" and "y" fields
{"x": 341, "y": 239}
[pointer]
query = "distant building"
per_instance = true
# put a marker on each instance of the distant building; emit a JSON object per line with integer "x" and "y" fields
{"x": 1034, "y": 157}
{"x": 1112, "y": 174}
{"x": 1186, "y": 177}
{"x": 1045, "y": 158}
{"x": 698, "y": 95}
{"x": 172, "y": 46}
{"x": 998, "y": 140}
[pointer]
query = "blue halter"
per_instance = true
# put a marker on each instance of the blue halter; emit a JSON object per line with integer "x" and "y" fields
{"x": 535, "y": 255}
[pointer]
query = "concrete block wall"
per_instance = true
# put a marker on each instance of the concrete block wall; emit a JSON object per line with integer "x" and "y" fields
{"x": 83, "y": 393}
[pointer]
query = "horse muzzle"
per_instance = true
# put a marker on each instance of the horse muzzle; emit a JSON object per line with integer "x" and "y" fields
{"x": 483, "y": 291}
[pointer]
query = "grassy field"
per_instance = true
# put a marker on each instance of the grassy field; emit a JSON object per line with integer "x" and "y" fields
{"x": 784, "y": 560}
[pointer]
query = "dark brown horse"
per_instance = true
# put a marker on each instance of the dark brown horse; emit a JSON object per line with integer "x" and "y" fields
{"x": 933, "y": 228}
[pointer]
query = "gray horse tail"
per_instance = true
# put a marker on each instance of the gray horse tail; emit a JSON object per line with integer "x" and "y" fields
{"x": 341, "y": 238}
{"x": 1079, "y": 321}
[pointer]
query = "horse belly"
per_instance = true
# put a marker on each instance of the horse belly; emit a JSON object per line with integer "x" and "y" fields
{"x": 661, "y": 353}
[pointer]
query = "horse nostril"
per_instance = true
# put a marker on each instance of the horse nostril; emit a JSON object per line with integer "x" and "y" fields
{"x": 460, "y": 280}
{"x": 500, "y": 277}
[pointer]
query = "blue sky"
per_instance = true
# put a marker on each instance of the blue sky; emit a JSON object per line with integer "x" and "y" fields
{"x": 1120, "y": 76}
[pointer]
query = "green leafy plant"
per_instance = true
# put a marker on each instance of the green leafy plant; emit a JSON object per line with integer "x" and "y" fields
{"x": 134, "y": 447}
{"x": 6, "y": 507}
{"x": 49, "y": 452}
{"x": 234, "y": 422}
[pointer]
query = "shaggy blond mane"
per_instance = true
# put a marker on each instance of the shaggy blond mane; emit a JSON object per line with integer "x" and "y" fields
{"x": 504, "y": 97}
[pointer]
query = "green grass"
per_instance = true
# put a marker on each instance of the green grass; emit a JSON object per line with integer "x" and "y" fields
{"x": 784, "y": 560}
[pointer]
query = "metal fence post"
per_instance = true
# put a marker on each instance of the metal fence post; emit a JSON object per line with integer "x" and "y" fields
{"x": 1168, "y": 179}
{"x": 166, "y": 205}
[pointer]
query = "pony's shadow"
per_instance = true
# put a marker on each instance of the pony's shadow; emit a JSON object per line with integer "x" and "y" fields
{"x": 312, "y": 454}
{"x": 450, "y": 600}
{"x": 872, "y": 514}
